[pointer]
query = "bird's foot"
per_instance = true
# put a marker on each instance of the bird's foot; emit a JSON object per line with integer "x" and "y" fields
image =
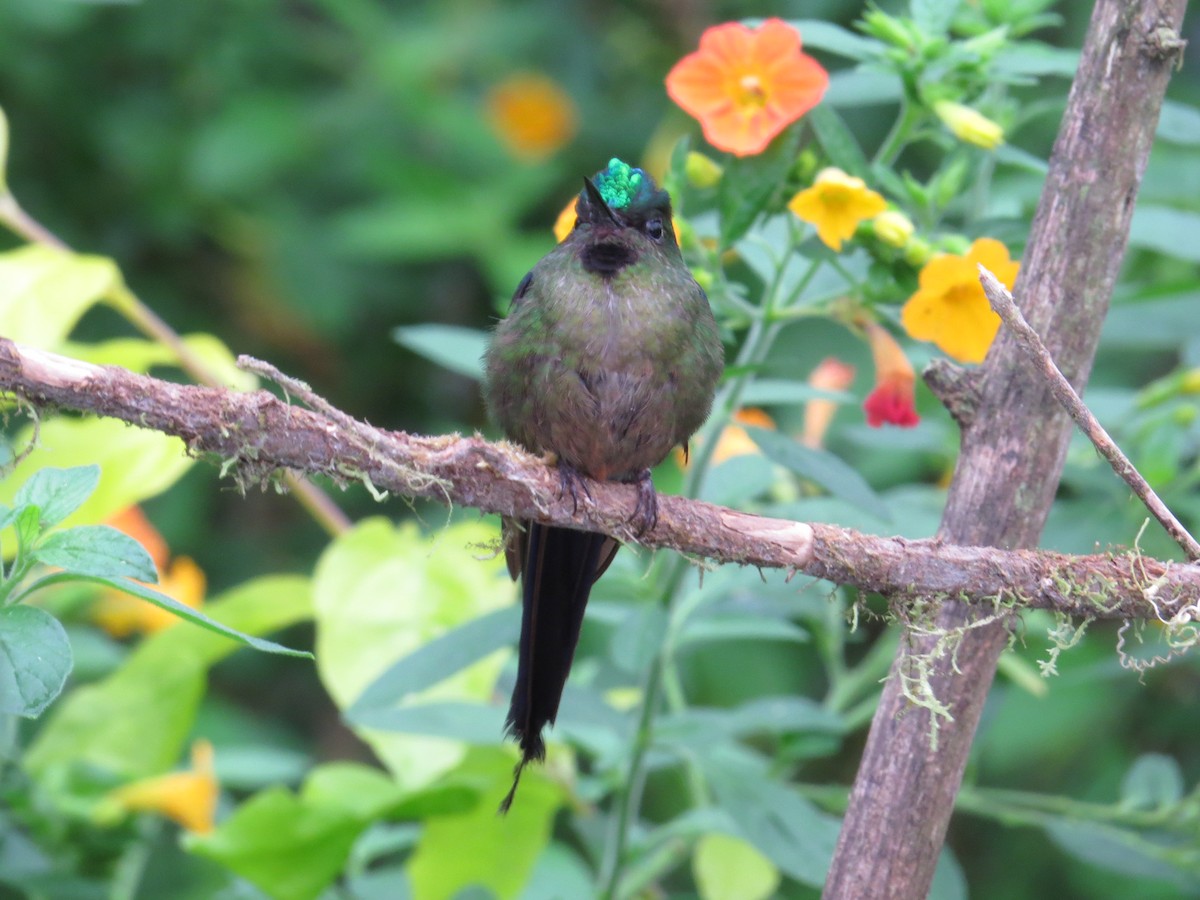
{"x": 645, "y": 513}
{"x": 571, "y": 481}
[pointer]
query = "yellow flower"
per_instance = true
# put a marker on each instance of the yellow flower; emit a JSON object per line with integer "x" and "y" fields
{"x": 969, "y": 125}
{"x": 565, "y": 223}
{"x": 836, "y": 204}
{"x": 831, "y": 374}
{"x": 735, "y": 440}
{"x": 531, "y": 115}
{"x": 189, "y": 798}
{"x": 122, "y": 614}
{"x": 949, "y": 307}
{"x": 893, "y": 228}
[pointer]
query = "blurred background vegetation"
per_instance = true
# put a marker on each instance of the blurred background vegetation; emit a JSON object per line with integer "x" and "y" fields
{"x": 299, "y": 178}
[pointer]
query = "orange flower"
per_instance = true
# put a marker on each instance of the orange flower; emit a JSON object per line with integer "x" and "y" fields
{"x": 747, "y": 85}
{"x": 122, "y": 614}
{"x": 836, "y": 204}
{"x": 532, "y": 115}
{"x": 189, "y": 798}
{"x": 949, "y": 307}
{"x": 892, "y": 401}
{"x": 831, "y": 374}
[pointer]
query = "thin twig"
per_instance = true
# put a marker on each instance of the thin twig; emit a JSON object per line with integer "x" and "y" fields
{"x": 1002, "y": 302}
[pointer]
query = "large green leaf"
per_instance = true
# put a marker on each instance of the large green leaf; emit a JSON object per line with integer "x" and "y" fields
{"x": 821, "y": 467}
{"x": 458, "y": 349}
{"x": 35, "y": 660}
{"x": 44, "y": 292}
{"x": 478, "y": 847}
{"x": 287, "y": 847}
{"x": 442, "y": 657}
{"x": 134, "y": 722}
{"x": 789, "y": 830}
{"x": 748, "y": 183}
{"x": 382, "y": 593}
{"x": 729, "y": 868}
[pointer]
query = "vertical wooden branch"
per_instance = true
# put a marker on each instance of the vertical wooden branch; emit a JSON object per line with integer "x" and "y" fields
{"x": 1013, "y": 449}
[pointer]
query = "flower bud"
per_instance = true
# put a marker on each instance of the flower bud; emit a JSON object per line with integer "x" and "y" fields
{"x": 701, "y": 171}
{"x": 969, "y": 125}
{"x": 893, "y": 227}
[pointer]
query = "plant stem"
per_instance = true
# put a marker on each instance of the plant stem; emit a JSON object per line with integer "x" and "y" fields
{"x": 897, "y": 138}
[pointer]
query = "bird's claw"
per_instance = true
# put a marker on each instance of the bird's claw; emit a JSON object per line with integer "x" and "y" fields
{"x": 645, "y": 512}
{"x": 571, "y": 482}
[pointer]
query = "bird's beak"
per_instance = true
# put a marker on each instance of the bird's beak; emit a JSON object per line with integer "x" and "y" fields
{"x": 597, "y": 200}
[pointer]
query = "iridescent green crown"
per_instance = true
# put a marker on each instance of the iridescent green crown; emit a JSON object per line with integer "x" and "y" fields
{"x": 621, "y": 185}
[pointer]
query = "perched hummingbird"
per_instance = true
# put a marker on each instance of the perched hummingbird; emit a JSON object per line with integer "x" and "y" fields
{"x": 608, "y": 358}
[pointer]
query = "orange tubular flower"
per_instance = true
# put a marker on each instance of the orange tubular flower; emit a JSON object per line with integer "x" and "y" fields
{"x": 949, "y": 307}
{"x": 892, "y": 401}
{"x": 532, "y": 115}
{"x": 836, "y": 204}
{"x": 831, "y": 374}
{"x": 189, "y": 798}
{"x": 735, "y": 440}
{"x": 746, "y": 85}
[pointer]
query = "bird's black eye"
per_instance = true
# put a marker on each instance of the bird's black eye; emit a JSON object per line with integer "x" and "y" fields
{"x": 654, "y": 229}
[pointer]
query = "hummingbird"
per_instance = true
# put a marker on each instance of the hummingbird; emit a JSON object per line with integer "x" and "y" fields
{"x": 609, "y": 358}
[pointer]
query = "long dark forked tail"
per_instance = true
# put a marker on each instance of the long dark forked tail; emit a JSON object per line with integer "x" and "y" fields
{"x": 560, "y": 567}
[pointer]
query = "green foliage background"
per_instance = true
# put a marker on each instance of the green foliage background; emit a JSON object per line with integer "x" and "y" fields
{"x": 300, "y": 178}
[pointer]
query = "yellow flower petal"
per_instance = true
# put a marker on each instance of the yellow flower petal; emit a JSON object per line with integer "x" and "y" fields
{"x": 189, "y": 798}
{"x": 836, "y": 204}
{"x": 949, "y": 307}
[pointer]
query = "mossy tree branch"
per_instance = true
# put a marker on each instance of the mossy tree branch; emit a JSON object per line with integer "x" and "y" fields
{"x": 256, "y": 436}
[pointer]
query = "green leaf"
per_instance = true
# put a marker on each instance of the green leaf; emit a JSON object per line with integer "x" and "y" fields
{"x": 728, "y": 868}
{"x": 472, "y": 723}
{"x": 821, "y": 467}
{"x": 458, "y": 349}
{"x": 771, "y": 815}
{"x": 1179, "y": 123}
{"x": 838, "y": 142}
{"x": 739, "y": 627}
{"x": 45, "y": 291}
{"x": 140, "y": 355}
{"x": 861, "y": 87}
{"x": 58, "y": 492}
{"x": 750, "y": 182}
{"x": 1130, "y": 853}
{"x": 35, "y": 660}
{"x": 933, "y": 17}
{"x": 98, "y": 550}
{"x": 195, "y": 616}
{"x": 134, "y": 722}
{"x": 766, "y": 715}
{"x": 442, "y": 657}
{"x": 135, "y": 463}
{"x": 1158, "y": 228}
{"x": 383, "y": 591}
{"x": 1153, "y": 781}
{"x": 478, "y": 847}
{"x": 821, "y": 35}
{"x": 281, "y": 844}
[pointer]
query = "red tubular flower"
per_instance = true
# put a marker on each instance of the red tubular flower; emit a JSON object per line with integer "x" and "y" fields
{"x": 892, "y": 401}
